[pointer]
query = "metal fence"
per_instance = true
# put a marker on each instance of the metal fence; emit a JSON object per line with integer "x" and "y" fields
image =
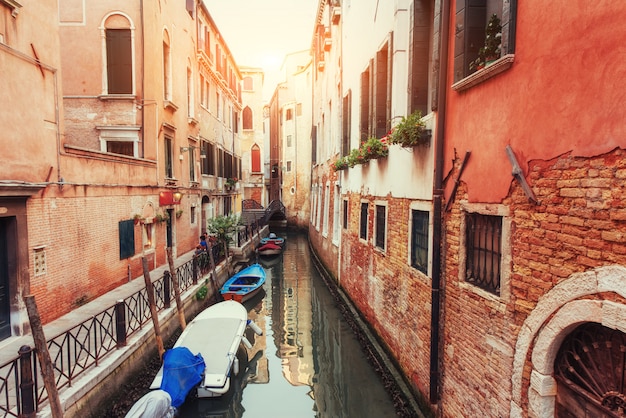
{"x": 86, "y": 344}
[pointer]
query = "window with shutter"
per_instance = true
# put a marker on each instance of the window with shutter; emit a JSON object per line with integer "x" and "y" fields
{"x": 471, "y": 21}
{"x": 119, "y": 61}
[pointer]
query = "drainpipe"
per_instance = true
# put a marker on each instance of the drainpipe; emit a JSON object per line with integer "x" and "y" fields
{"x": 442, "y": 86}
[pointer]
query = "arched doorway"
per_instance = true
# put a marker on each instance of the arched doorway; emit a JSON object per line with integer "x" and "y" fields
{"x": 590, "y": 370}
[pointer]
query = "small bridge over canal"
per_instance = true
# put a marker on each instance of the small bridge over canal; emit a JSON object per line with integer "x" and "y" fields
{"x": 275, "y": 213}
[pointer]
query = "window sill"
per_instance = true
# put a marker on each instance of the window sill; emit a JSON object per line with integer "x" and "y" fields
{"x": 117, "y": 97}
{"x": 13, "y": 5}
{"x": 167, "y": 104}
{"x": 486, "y": 73}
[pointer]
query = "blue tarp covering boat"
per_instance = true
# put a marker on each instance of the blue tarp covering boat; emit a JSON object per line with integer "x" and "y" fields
{"x": 182, "y": 371}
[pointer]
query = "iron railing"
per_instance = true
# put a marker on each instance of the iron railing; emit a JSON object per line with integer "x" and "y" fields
{"x": 246, "y": 232}
{"x": 86, "y": 344}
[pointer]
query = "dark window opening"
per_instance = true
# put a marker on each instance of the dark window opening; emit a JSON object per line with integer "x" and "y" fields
{"x": 484, "y": 249}
{"x": 419, "y": 240}
{"x": 363, "y": 230}
{"x": 169, "y": 166}
{"x": 472, "y": 18}
{"x": 119, "y": 61}
{"x": 381, "y": 221}
{"x": 121, "y": 147}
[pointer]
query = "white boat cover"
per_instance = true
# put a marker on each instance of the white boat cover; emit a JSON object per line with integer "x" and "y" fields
{"x": 154, "y": 404}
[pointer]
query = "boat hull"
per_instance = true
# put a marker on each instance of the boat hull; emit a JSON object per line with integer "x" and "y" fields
{"x": 216, "y": 334}
{"x": 245, "y": 284}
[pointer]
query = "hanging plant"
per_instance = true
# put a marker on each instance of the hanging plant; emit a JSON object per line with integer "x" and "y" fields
{"x": 162, "y": 217}
{"x": 410, "y": 132}
{"x": 374, "y": 148}
{"x": 341, "y": 163}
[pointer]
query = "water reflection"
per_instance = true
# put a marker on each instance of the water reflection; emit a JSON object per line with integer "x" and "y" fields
{"x": 307, "y": 363}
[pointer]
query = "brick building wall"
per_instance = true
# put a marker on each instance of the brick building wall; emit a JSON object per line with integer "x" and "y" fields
{"x": 79, "y": 237}
{"x": 393, "y": 297}
{"x": 578, "y": 225}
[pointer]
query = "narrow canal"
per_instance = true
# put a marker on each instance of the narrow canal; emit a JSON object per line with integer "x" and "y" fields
{"x": 309, "y": 361}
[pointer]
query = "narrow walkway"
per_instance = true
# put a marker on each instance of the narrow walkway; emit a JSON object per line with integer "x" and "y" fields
{"x": 9, "y": 348}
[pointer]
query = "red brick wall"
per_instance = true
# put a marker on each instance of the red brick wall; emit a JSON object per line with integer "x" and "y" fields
{"x": 393, "y": 296}
{"x": 579, "y": 224}
{"x": 81, "y": 240}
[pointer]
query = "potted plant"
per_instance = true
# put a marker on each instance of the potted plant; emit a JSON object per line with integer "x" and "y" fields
{"x": 355, "y": 157}
{"x": 341, "y": 163}
{"x": 410, "y": 132}
{"x": 490, "y": 51}
{"x": 161, "y": 217}
{"x": 179, "y": 213}
{"x": 373, "y": 149}
{"x": 137, "y": 218}
{"x": 231, "y": 182}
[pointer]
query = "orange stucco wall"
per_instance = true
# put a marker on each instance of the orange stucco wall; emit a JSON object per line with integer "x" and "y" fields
{"x": 562, "y": 94}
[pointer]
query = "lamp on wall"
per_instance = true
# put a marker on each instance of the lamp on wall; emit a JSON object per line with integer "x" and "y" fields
{"x": 169, "y": 197}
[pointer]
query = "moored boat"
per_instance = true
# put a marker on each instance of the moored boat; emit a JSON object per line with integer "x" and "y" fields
{"x": 215, "y": 334}
{"x": 269, "y": 249}
{"x": 272, "y": 238}
{"x": 245, "y": 284}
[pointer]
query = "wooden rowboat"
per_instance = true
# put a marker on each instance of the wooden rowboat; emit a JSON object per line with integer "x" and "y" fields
{"x": 245, "y": 284}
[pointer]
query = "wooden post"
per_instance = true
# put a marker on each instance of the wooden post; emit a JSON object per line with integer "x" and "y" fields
{"x": 27, "y": 391}
{"x": 213, "y": 274}
{"x": 120, "y": 323}
{"x": 47, "y": 371}
{"x": 179, "y": 303}
{"x": 167, "y": 293}
{"x": 153, "y": 311}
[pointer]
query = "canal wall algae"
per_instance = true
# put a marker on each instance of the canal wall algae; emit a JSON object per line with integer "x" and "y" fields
{"x": 408, "y": 404}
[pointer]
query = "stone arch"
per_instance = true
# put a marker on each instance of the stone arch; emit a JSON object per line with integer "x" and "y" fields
{"x": 557, "y": 313}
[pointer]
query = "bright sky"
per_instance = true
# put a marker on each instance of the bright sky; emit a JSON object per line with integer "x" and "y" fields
{"x": 259, "y": 33}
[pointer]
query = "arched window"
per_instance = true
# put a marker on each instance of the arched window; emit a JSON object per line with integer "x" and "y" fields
{"x": 247, "y": 118}
{"x": 255, "y": 156}
{"x": 590, "y": 369}
{"x": 118, "y": 44}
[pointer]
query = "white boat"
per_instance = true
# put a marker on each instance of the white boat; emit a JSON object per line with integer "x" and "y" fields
{"x": 216, "y": 334}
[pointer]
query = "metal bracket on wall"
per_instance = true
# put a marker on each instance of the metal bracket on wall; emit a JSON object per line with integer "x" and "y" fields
{"x": 519, "y": 175}
{"x": 458, "y": 179}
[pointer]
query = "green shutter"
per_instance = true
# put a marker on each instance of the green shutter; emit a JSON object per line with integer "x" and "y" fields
{"x": 127, "y": 238}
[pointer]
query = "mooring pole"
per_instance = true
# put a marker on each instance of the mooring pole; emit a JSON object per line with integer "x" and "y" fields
{"x": 47, "y": 371}
{"x": 179, "y": 303}
{"x": 153, "y": 311}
